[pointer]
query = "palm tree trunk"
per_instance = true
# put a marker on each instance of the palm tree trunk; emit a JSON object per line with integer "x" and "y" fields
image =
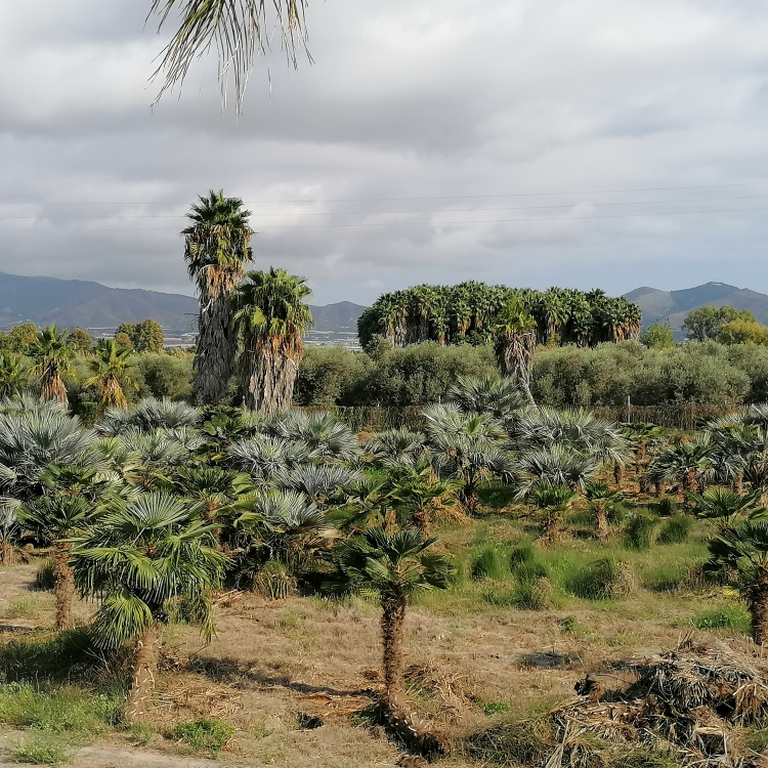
{"x": 550, "y": 532}
{"x": 269, "y": 377}
{"x": 618, "y": 473}
{"x": 145, "y": 665}
{"x": 689, "y": 480}
{"x": 758, "y": 607}
{"x": 6, "y": 552}
{"x": 392, "y": 629}
{"x": 52, "y": 388}
{"x": 63, "y": 587}
{"x": 216, "y": 344}
{"x": 600, "y": 512}
{"x": 738, "y": 482}
{"x": 423, "y": 521}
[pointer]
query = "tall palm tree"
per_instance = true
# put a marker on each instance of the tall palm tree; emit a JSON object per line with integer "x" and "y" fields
{"x": 396, "y": 565}
{"x": 142, "y": 555}
{"x": 514, "y": 345}
{"x": 272, "y": 318}
{"x": 52, "y": 352}
{"x": 216, "y": 248}
{"x": 109, "y": 365}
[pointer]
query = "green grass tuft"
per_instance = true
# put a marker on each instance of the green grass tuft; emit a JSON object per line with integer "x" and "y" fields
{"x": 676, "y": 530}
{"x": 638, "y": 534}
{"x": 733, "y": 617}
{"x": 490, "y": 563}
{"x": 41, "y": 749}
{"x": 204, "y": 734}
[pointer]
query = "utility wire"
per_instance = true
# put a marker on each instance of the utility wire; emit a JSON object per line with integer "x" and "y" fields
{"x": 401, "y": 223}
{"x": 423, "y": 197}
{"x": 394, "y": 213}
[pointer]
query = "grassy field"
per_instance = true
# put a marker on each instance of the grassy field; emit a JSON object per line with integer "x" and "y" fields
{"x": 289, "y": 683}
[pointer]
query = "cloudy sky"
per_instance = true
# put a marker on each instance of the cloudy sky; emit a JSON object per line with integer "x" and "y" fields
{"x": 569, "y": 142}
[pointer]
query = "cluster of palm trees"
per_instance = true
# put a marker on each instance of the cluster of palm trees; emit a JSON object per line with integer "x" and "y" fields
{"x": 474, "y": 311}
{"x": 159, "y": 505}
{"x": 162, "y": 503}
{"x": 249, "y": 324}
{"x": 48, "y": 359}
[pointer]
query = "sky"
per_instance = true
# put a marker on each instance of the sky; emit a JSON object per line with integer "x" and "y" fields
{"x": 583, "y": 143}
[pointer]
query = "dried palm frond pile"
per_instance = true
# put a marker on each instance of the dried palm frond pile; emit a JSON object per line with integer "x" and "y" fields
{"x": 685, "y": 707}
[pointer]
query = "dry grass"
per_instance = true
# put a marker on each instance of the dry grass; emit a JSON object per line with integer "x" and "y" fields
{"x": 294, "y": 677}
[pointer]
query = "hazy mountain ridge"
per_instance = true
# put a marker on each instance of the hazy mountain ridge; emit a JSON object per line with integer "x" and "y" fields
{"x": 674, "y": 306}
{"x": 87, "y": 304}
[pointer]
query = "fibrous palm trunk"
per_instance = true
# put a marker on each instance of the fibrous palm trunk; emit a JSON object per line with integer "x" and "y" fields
{"x": 269, "y": 375}
{"x": 112, "y": 394}
{"x": 758, "y": 607}
{"x": 216, "y": 341}
{"x": 6, "y": 552}
{"x": 600, "y": 513}
{"x": 144, "y": 672}
{"x": 550, "y": 532}
{"x": 63, "y": 587}
{"x": 52, "y": 388}
{"x": 514, "y": 353}
{"x": 392, "y": 628}
{"x": 423, "y": 521}
{"x": 618, "y": 473}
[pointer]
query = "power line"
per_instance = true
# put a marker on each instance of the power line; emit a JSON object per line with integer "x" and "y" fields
{"x": 394, "y": 213}
{"x": 401, "y": 223}
{"x": 423, "y": 197}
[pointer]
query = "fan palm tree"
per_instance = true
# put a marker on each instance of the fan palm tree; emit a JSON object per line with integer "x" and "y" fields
{"x": 57, "y": 520}
{"x": 742, "y": 550}
{"x": 109, "y": 365}
{"x": 9, "y": 529}
{"x": 417, "y": 489}
{"x": 325, "y": 436}
{"x": 142, "y": 555}
{"x": 725, "y": 506}
{"x": 272, "y": 318}
{"x": 554, "y": 500}
{"x": 14, "y": 374}
{"x": 494, "y": 395}
{"x": 52, "y": 352}
{"x": 466, "y": 448}
{"x": 515, "y": 344}
{"x": 599, "y": 496}
{"x": 216, "y": 248}
{"x": 557, "y": 465}
{"x": 396, "y": 565}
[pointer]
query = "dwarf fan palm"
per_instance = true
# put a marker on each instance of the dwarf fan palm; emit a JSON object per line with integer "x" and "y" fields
{"x": 56, "y": 520}
{"x": 142, "y": 555}
{"x": 396, "y": 565}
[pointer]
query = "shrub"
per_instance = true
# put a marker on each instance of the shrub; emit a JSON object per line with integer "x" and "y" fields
{"x": 489, "y": 563}
{"x": 604, "y": 579}
{"x": 666, "y": 507}
{"x": 676, "y": 530}
{"x": 638, "y": 533}
{"x": 204, "y": 734}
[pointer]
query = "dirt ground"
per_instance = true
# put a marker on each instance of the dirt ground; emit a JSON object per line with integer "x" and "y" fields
{"x": 293, "y": 676}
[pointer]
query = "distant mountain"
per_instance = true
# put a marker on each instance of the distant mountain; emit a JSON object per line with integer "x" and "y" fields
{"x": 674, "y": 306}
{"x": 85, "y": 304}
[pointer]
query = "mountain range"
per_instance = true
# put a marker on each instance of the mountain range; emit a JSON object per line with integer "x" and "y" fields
{"x": 86, "y": 304}
{"x": 674, "y": 306}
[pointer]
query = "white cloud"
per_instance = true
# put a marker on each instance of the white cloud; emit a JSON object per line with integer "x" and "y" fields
{"x": 409, "y": 115}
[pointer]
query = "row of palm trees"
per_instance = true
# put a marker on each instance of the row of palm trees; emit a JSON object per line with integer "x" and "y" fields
{"x": 470, "y": 312}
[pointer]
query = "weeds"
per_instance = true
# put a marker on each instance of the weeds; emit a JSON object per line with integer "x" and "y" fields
{"x": 489, "y": 563}
{"x": 732, "y": 617}
{"x": 204, "y": 734}
{"x": 676, "y": 530}
{"x": 638, "y": 534}
{"x": 41, "y": 749}
{"x": 24, "y": 607}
